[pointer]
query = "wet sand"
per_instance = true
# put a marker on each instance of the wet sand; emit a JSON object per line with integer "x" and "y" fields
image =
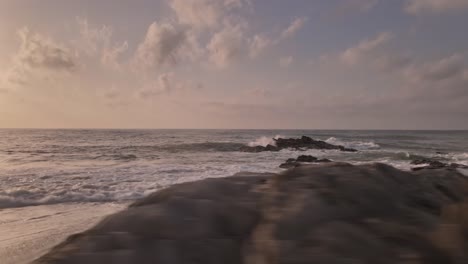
{"x": 28, "y": 232}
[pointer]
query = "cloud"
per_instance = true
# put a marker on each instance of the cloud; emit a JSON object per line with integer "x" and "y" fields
{"x": 38, "y": 56}
{"x": 39, "y": 52}
{"x": 418, "y": 87}
{"x": 204, "y": 14}
{"x": 365, "y": 48}
{"x": 285, "y": 62}
{"x": 393, "y": 62}
{"x": 98, "y": 40}
{"x": 167, "y": 83}
{"x": 419, "y": 7}
{"x": 92, "y": 36}
{"x": 446, "y": 68}
{"x": 438, "y": 84}
{"x": 163, "y": 44}
{"x": 258, "y": 44}
{"x": 197, "y": 13}
{"x": 258, "y": 92}
{"x": 16, "y": 75}
{"x": 294, "y": 27}
{"x": 114, "y": 97}
{"x": 110, "y": 55}
{"x": 164, "y": 84}
{"x": 111, "y": 93}
{"x": 227, "y": 46}
{"x": 465, "y": 75}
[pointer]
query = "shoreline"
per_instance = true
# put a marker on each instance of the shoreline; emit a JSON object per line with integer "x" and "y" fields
{"x": 309, "y": 213}
{"x": 28, "y": 232}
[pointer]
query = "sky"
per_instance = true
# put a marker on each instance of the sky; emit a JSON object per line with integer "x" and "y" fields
{"x": 247, "y": 64}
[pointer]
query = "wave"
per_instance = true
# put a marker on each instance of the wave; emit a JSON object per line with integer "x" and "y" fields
{"x": 360, "y": 145}
{"x": 119, "y": 157}
{"x": 17, "y": 201}
{"x": 461, "y": 158}
{"x": 89, "y": 193}
{"x": 264, "y": 141}
{"x": 116, "y": 153}
{"x": 202, "y": 147}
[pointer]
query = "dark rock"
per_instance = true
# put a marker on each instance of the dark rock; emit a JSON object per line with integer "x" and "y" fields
{"x": 306, "y": 158}
{"x": 271, "y": 148}
{"x": 332, "y": 213}
{"x": 435, "y": 164}
{"x": 292, "y": 163}
{"x": 302, "y": 143}
{"x": 256, "y": 149}
{"x": 425, "y": 161}
{"x": 289, "y": 165}
{"x": 457, "y": 166}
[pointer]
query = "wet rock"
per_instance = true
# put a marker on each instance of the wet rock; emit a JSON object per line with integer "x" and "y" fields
{"x": 302, "y": 143}
{"x": 292, "y": 163}
{"x": 330, "y": 213}
{"x": 256, "y": 149}
{"x": 306, "y": 158}
{"x": 435, "y": 164}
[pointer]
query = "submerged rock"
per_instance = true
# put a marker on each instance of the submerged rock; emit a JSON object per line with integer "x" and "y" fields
{"x": 331, "y": 213}
{"x": 292, "y": 163}
{"x": 302, "y": 143}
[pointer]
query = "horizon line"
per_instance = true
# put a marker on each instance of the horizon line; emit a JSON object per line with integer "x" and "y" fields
{"x": 311, "y": 129}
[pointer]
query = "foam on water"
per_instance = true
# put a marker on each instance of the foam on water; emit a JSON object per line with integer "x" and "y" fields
{"x": 53, "y": 167}
{"x": 461, "y": 158}
{"x": 360, "y": 145}
{"x": 264, "y": 141}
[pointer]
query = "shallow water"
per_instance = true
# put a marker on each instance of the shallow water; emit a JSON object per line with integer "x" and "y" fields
{"x": 29, "y": 232}
{"x": 62, "y": 166}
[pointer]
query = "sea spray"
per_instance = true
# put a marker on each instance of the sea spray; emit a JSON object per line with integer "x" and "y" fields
{"x": 264, "y": 141}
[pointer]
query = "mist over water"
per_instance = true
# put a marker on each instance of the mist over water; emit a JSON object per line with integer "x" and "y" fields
{"x": 60, "y": 166}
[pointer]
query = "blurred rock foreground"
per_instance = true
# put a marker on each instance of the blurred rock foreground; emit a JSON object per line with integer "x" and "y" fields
{"x": 328, "y": 213}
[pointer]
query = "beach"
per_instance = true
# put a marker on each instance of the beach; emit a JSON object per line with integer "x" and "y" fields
{"x": 29, "y": 232}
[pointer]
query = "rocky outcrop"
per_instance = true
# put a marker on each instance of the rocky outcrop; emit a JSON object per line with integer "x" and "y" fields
{"x": 302, "y": 143}
{"x": 256, "y": 149}
{"x": 303, "y": 159}
{"x": 330, "y": 213}
{"x": 435, "y": 164}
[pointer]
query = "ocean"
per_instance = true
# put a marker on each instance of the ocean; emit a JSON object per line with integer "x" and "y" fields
{"x": 40, "y": 167}
{"x": 54, "y": 183}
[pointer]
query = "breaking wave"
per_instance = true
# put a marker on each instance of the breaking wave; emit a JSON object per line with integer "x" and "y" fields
{"x": 360, "y": 145}
{"x": 264, "y": 141}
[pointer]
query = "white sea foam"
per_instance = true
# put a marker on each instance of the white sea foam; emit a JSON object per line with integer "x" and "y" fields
{"x": 264, "y": 141}
{"x": 127, "y": 182}
{"x": 88, "y": 166}
{"x": 360, "y": 145}
{"x": 461, "y": 158}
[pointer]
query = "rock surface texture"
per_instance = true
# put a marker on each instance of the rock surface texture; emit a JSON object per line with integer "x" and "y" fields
{"x": 328, "y": 213}
{"x": 302, "y": 143}
{"x": 301, "y": 160}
